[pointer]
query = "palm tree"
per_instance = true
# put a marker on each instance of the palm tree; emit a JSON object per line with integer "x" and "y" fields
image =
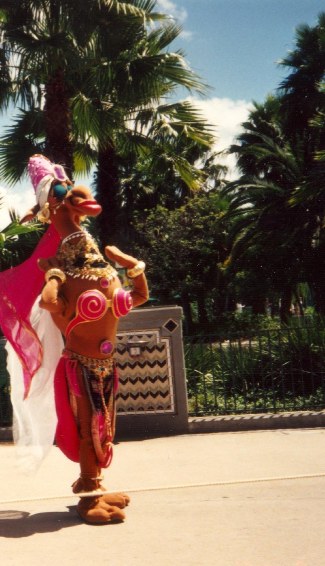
{"x": 303, "y": 109}
{"x": 39, "y": 43}
{"x": 165, "y": 154}
{"x": 301, "y": 92}
{"x": 268, "y": 230}
{"x": 130, "y": 115}
{"x": 280, "y": 198}
{"x": 48, "y": 44}
{"x": 97, "y": 85}
{"x": 5, "y": 81}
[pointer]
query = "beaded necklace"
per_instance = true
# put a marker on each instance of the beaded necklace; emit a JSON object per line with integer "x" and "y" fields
{"x": 80, "y": 257}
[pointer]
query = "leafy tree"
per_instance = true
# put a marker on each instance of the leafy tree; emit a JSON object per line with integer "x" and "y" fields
{"x": 153, "y": 181}
{"x": 52, "y": 47}
{"x": 185, "y": 249}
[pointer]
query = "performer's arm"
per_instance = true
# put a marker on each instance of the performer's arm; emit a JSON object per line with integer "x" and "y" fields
{"x": 135, "y": 271}
{"x": 50, "y": 298}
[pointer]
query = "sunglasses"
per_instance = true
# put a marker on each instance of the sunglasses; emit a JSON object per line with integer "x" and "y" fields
{"x": 60, "y": 191}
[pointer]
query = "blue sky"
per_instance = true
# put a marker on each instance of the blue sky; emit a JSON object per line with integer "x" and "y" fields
{"x": 234, "y": 45}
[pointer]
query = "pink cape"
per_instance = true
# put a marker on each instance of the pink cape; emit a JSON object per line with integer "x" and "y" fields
{"x": 19, "y": 288}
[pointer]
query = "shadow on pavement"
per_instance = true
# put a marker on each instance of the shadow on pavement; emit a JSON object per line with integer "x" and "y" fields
{"x": 19, "y": 524}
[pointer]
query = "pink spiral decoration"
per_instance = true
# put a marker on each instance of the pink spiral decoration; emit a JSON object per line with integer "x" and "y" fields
{"x": 91, "y": 305}
{"x": 122, "y": 302}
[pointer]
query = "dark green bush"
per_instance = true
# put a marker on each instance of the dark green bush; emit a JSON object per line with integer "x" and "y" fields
{"x": 273, "y": 369}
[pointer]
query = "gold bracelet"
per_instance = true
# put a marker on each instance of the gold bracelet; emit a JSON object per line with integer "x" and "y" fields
{"x": 55, "y": 272}
{"x": 136, "y": 270}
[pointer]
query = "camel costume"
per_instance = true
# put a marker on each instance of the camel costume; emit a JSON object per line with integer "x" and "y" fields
{"x": 62, "y": 332}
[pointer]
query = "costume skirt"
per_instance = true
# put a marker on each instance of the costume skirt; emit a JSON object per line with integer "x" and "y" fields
{"x": 78, "y": 375}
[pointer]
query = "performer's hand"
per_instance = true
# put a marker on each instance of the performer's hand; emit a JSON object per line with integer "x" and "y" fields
{"x": 50, "y": 299}
{"x": 115, "y": 255}
{"x": 140, "y": 292}
{"x": 46, "y": 264}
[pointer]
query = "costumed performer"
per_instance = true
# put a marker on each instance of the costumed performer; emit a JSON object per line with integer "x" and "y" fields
{"x": 63, "y": 331}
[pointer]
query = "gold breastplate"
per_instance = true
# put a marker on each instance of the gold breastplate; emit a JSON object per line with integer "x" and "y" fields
{"x": 79, "y": 256}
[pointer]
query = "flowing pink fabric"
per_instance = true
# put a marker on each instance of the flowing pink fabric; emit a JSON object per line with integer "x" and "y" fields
{"x": 72, "y": 375}
{"x": 104, "y": 455}
{"x": 66, "y": 436}
{"x": 19, "y": 288}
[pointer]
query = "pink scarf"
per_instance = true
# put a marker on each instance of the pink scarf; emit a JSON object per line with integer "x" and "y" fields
{"x": 19, "y": 289}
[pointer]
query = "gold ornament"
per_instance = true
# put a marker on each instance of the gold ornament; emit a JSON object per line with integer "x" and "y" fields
{"x": 80, "y": 257}
{"x": 55, "y": 272}
{"x": 44, "y": 214}
{"x": 136, "y": 270}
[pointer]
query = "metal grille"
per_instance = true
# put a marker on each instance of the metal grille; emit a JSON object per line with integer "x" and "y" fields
{"x": 270, "y": 371}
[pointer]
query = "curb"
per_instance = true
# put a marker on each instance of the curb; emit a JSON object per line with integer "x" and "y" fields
{"x": 267, "y": 421}
{"x": 236, "y": 423}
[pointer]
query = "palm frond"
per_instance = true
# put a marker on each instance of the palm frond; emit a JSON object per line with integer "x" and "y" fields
{"x": 191, "y": 176}
{"x": 139, "y": 9}
{"x": 161, "y": 38}
{"x": 14, "y": 229}
{"x": 22, "y": 139}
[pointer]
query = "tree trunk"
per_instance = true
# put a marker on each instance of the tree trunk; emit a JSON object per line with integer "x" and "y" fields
{"x": 286, "y": 297}
{"x": 299, "y": 303}
{"x": 319, "y": 295}
{"x": 259, "y": 304}
{"x": 58, "y": 122}
{"x": 107, "y": 194}
{"x": 202, "y": 311}
{"x": 230, "y": 303}
{"x": 316, "y": 275}
{"x": 188, "y": 324}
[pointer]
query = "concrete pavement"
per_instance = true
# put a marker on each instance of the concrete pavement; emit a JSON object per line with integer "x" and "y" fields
{"x": 195, "y": 502}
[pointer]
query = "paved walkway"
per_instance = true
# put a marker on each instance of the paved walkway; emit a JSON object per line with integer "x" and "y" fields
{"x": 194, "y": 503}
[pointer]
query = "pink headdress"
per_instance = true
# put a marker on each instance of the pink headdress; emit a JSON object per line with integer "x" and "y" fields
{"x": 21, "y": 285}
{"x": 42, "y": 173}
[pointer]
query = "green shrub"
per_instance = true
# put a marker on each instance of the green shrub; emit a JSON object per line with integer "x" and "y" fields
{"x": 277, "y": 369}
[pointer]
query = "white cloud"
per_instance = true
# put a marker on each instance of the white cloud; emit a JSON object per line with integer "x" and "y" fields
{"x": 4, "y": 216}
{"x": 169, "y": 7}
{"x": 226, "y": 115}
{"x": 187, "y": 35}
{"x": 178, "y": 13}
{"x": 18, "y": 198}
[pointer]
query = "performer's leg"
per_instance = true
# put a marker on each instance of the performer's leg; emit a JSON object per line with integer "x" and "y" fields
{"x": 88, "y": 459}
{"x": 92, "y": 509}
{"x": 90, "y": 478}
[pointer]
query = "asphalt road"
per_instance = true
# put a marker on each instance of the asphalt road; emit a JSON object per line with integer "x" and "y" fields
{"x": 226, "y": 499}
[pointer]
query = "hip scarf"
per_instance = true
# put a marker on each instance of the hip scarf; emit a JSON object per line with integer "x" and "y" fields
{"x": 99, "y": 381}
